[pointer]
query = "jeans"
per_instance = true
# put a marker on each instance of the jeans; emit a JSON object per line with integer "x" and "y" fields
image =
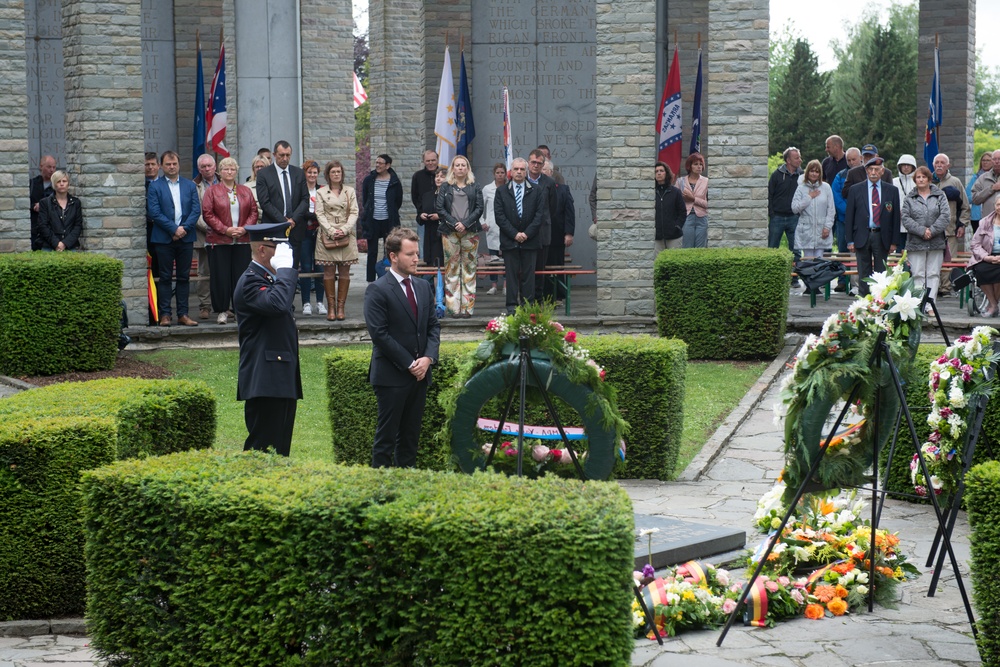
{"x": 695, "y": 231}
{"x": 167, "y": 254}
{"x": 307, "y": 264}
{"x": 783, "y": 224}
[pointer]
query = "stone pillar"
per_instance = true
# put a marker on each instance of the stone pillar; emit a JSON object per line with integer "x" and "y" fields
{"x": 14, "y": 221}
{"x": 626, "y": 101}
{"x": 451, "y": 19}
{"x": 102, "y": 60}
{"x": 689, "y": 22}
{"x": 736, "y": 157}
{"x": 327, "y": 89}
{"x": 397, "y": 90}
{"x": 954, "y": 22}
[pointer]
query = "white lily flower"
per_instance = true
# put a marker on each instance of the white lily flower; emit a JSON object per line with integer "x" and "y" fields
{"x": 906, "y": 306}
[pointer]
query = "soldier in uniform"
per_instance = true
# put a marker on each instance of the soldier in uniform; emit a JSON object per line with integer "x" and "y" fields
{"x": 269, "y": 379}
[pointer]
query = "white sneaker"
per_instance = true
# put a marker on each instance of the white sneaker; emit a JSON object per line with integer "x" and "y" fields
{"x": 307, "y": 309}
{"x": 223, "y": 318}
{"x": 320, "y": 308}
{"x": 505, "y": 290}
{"x": 491, "y": 291}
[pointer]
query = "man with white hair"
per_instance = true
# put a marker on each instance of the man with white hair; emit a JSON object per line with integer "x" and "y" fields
{"x": 958, "y": 204}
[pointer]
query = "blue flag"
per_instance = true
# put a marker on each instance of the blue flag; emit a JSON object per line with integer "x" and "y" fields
{"x": 198, "y": 133}
{"x": 933, "y": 114}
{"x": 696, "y": 113}
{"x": 463, "y": 115}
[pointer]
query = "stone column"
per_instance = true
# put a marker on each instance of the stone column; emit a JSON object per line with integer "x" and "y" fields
{"x": 954, "y": 22}
{"x": 327, "y": 88}
{"x": 102, "y": 60}
{"x": 626, "y": 101}
{"x": 736, "y": 158}
{"x": 451, "y": 19}
{"x": 14, "y": 221}
{"x": 396, "y": 82}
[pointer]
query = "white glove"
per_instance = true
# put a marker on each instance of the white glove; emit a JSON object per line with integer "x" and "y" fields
{"x": 282, "y": 257}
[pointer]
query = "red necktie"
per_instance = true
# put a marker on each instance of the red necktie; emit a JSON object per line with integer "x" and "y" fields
{"x": 410, "y": 296}
{"x": 876, "y": 207}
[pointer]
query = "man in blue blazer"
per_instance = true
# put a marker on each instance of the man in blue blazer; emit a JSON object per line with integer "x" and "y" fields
{"x": 405, "y": 333}
{"x": 871, "y": 223}
{"x": 172, "y": 204}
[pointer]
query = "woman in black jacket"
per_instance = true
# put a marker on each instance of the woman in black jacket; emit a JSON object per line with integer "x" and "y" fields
{"x": 382, "y": 196}
{"x": 670, "y": 210}
{"x": 459, "y": 208}
{"x": 60, "y": 217}
{"x": 427, "y": 217}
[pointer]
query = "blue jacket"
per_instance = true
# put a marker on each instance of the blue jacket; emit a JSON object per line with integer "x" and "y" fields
{"x": 839, "y": 202}
{"x": 975, "y": 210}
{"x": 160, "y": 209}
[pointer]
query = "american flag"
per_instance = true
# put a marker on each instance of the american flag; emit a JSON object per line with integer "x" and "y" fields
{"x": 508, "y": 153}
{"x": 215, "y": 115}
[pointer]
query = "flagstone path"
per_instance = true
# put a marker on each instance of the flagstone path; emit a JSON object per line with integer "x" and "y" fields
{"x": 721, "y": 487}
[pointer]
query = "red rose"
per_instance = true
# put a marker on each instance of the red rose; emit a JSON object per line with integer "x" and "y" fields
{"x": 570, "y": 337}
{"x": 603, "y": 374}
{"x": 533, "y": 318}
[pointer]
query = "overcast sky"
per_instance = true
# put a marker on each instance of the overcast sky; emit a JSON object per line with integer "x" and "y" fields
{"x": 820, "y": 22}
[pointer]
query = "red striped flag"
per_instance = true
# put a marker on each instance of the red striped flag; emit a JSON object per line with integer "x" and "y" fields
{"x": 360, "y": 96}
{"x": 215, "y": 116}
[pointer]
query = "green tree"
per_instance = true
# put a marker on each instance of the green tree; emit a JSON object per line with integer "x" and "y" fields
{"x": 779, "y": 55}
{"x": 800, "y": 115}
{"x": 984, "y": 141}
{"x": 987, "y": 97}
{"x": 875, "y": 82}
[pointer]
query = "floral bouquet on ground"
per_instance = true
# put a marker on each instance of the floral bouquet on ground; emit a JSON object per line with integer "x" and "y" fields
{"x": 956, "y": 379}
{"x": 538, "y": 458}
{"x": 687, "y": 597}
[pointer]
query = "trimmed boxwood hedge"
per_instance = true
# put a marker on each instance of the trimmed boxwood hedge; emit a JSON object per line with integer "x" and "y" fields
{"x": 982, "y": 491}
{"x": 648, "y": 374}
{"x": 59, "y": 312}
{"x": 204, "y": 558}
{"x": 47, "y": 437}
{"x": 725, "y": 303}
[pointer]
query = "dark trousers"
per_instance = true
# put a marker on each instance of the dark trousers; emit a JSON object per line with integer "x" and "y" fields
{"x": 397, "y": 431}
{"x": 228, "y": 262}
{"x": 556, "y": 257}
{"x": 168, "y": 254}
{"x": 541, "y": 257}
{"x": 307, "y": 264}
{"x": 373, "y": 250}
{"x": 871, "y": 259}
{"x": 519, "y": 266}
{"x": 269, "y": 424}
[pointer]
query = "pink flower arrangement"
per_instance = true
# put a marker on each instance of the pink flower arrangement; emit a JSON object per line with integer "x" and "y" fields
{"x": 493, "y": 326}
{"x": 540, "y": 453}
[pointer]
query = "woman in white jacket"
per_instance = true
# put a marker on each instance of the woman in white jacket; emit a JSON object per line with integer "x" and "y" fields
{"x": 813, "y": 203}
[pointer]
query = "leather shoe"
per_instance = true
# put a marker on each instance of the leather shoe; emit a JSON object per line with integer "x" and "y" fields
{"x": 186, "y": 321}
{"x": 165, "y": 321}
{"x": 204, "y": 314}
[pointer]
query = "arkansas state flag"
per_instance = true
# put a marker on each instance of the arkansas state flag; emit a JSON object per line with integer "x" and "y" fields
{"x": 668, "y": 121}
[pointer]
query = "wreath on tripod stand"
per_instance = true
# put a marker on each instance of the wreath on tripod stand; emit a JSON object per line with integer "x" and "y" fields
{"x": 829, "y": 367}
{"x": 561, "y": 367}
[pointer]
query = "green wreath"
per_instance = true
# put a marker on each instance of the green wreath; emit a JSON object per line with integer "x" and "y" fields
{"x": 497, "y": 379}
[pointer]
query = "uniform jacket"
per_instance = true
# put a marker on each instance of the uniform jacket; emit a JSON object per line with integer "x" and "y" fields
{"x": 397, "y": 338}
{"x": 53, "y": 227}
{"x": 218, "y": 215}
{"x": 858, "y": 213}
{"x": 160, "y": 207}
{"x": 269, "y": 342}
{"x": 510, "y": 223}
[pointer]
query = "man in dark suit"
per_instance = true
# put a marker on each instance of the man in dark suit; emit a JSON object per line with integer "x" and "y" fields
{"x": 871, "y": 225}
{"x": 284, "y": 195}
{"x": 547, "y": 188}
{"x": 563, "y": 229}
{"x": 39, "y": 188}
{"x": 405, "y": 333}
{"x": 172, "y": 203}
{"x": 519, "y": 210}
{"x": 269, "y": 378}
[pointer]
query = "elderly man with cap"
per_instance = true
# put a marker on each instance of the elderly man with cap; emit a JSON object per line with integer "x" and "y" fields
{"x": 269, "y": 379}
{"x": 872, "y": 221}
{"x": 958, "y": 203}
{"x": 859, "y": 174}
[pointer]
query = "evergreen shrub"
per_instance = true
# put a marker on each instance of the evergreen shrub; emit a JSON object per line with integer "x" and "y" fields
{"x": 204, "y": 558}
{"x": 725, "y": 303}
{"x": 59, "y": 312}
{"x": 982, "y": 491}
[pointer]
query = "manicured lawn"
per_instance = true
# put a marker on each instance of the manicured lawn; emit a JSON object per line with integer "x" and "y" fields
{"x": 713, "y": 390}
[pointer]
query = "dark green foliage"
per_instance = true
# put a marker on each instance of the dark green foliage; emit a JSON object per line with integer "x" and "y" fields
{"x": 59, "y": 312}
{"x": 725, "y": 303}
{"x": 800, "y": 115}
{"x": 47, "y": 437}
{"x": 648, "y": 374}
{"x": 247, "y": 559}
{"x": 982, "y": 490}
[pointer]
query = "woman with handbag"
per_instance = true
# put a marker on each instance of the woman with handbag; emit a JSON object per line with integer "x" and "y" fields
{"x": 227, "y": 208}
{"x": 337, "y": 214}
{"x": 459, "y": 208}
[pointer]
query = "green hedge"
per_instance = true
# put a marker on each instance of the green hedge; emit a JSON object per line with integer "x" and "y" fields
{"x": 47, "y": 437}
{"x": 725, "y": 303}
{"x": 205, "y": 558}
{"x": 982, "y": 490}
{"x": 59, "y": 312}
{"x": 648, "y": 374}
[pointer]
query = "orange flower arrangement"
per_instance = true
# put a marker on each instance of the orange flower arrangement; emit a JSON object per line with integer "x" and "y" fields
{"x": 837, "y": 606}
{"x": 843, "y": 568}
{"x": 841, "y": 591}
{"x": 825, "y": 592}
{"x": 815, "y": 612}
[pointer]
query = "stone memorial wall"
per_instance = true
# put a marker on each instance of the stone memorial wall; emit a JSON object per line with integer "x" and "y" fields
{"x": 159, "y": 108}
{"x": 44, "y": 68}
{"x": 544, "y": 51}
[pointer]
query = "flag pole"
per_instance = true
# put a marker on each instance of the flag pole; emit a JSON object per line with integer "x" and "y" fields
{"x": 699, "y": 41}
